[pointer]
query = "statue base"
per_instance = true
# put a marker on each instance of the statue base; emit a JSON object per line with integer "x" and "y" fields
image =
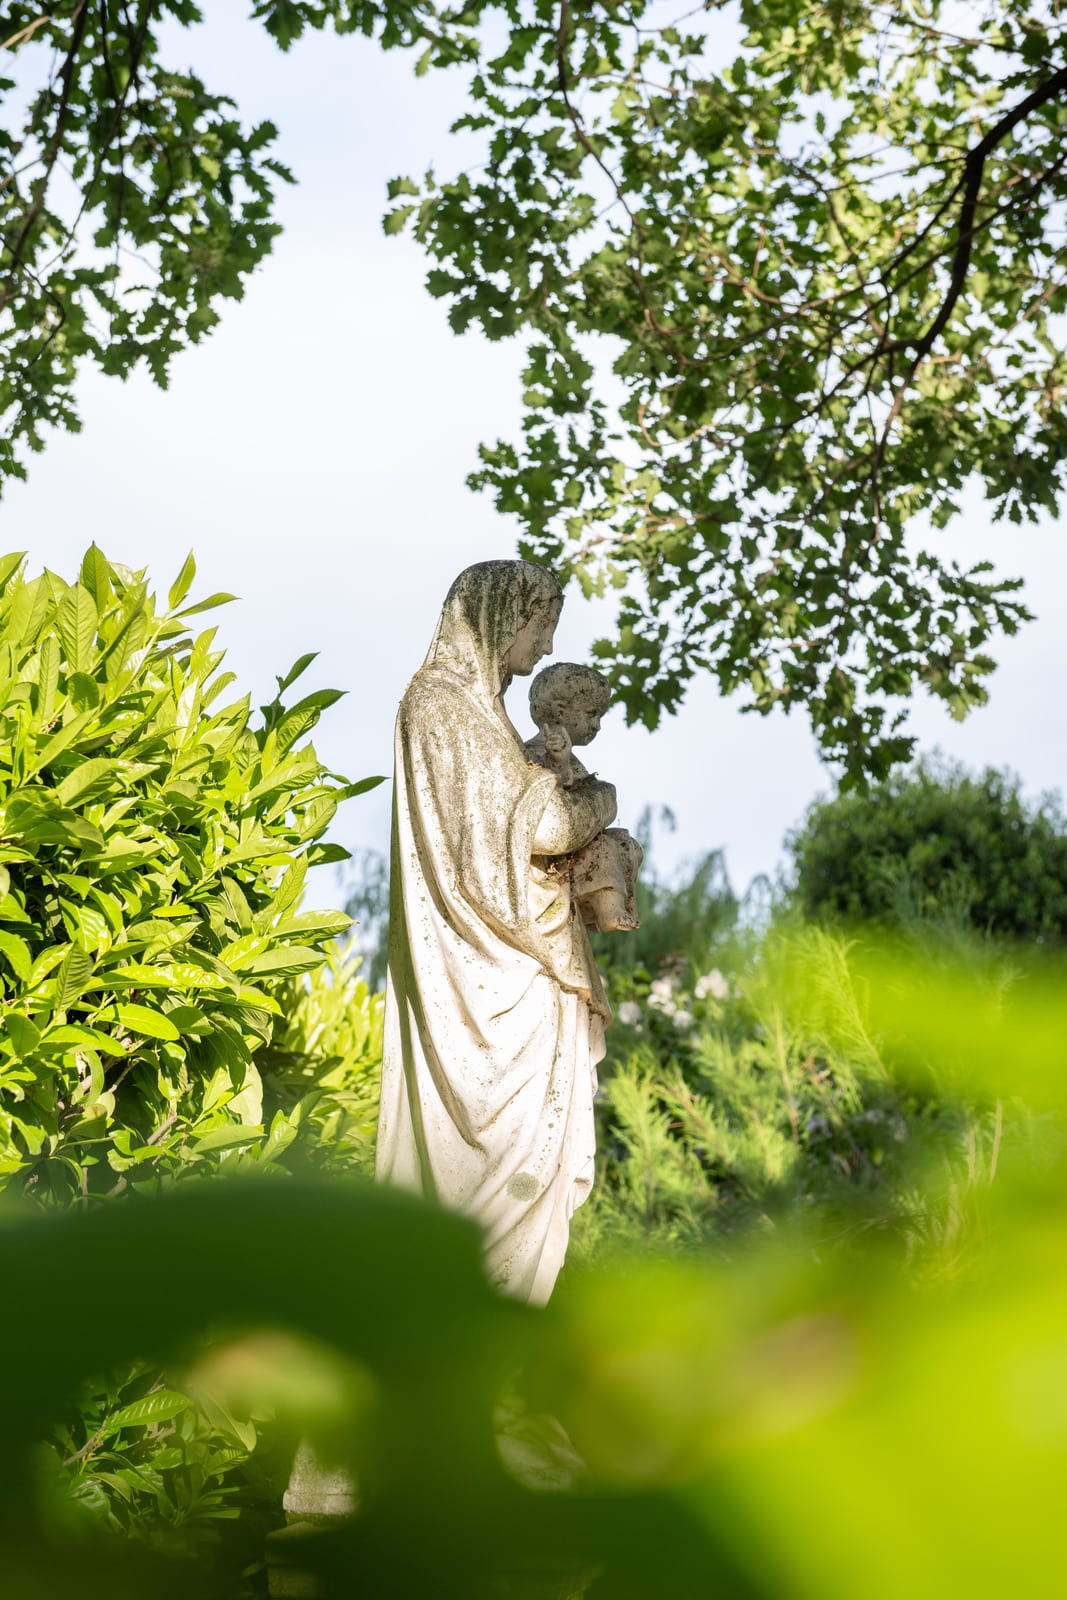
{"x": 317, "y": 1499}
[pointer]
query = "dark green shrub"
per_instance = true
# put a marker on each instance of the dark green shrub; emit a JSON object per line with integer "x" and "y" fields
{"x": 153, "y": 852}
{"x": 936, "y": 841}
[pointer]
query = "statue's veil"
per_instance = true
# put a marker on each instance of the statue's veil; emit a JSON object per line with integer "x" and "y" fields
{"x": 484, "y": 610}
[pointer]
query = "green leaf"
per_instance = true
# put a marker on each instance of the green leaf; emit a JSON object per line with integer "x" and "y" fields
{"x": 17, "y": 954}
{"x": 39, "y": 818}
{"x": 182, "y": 583}
{"x": 149, "y": 1024}
{"x": 9, "y": 565}
{"x": 393, "y": 221}
{"x": 291, "y": 959}
{"x": 87, "y": 927}
{"x": 76, "y": 619}
{"x": 87, "y": 775}
{"x": 96, "y": 576}
{"x": 222, "y": 1138}
{"x": 47, "y": 678}
{"x": 363, "y": 786}
{"x": 323, "y": 924}
{"x": 327, "y": 854}
{"x": 212, "y": 601}
{"x": 299, "y": 666}
{"x": 72, "y": 977}
{"x": 24, "y": 1036}
{"x": 64, "y": 736}
{"x": 239, "y": 955}
{"x": 74, "y": 1034}
{"x": 159, "y": 1406}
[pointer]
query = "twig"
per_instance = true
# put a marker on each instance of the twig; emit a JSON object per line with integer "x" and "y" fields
{"x": 87, "y": 1447}
{"x": 25, "y": 33}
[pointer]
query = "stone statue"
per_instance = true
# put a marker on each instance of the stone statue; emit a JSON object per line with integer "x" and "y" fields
{"x": 495, "y": 1011}
{"x": 567, "y": 702}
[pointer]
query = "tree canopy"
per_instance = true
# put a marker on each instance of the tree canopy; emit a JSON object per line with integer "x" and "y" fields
{"x": 822, "y": 246}
{"x": 133, "y": 199}
{"x": 826, "y": 265}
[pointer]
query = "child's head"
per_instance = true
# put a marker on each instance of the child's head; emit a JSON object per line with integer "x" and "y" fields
{"x": 573, "y": 696}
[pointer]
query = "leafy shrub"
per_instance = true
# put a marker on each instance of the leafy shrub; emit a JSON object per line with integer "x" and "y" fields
{"x": 322, "y": 1069}
{"x": 756, "y": 1096}
{"x": 154, "y": 846}
{"x": 935, "y": 841}
{"x": 168, "y": 1009}
{"x": 159, "y": 1455}
{"x": 138, "y": 1455}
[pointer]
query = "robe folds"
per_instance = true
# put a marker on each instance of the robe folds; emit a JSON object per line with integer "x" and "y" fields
{"x": 494, "y": 1013}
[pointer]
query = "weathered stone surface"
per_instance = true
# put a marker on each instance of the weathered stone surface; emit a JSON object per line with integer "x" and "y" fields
{"x": 317, "y": 1497}
{"x": 288, "y": 1578}
{"x": 317, "y": 1491}
{"x": 495, "y": 1010}
{"x": 568, "y": 701}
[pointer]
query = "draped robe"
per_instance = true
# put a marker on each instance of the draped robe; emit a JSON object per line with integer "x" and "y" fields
{"x": 494, "y": 1011}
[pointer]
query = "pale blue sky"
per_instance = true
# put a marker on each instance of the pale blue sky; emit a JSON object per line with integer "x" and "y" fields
{"x": 314, "y": 451}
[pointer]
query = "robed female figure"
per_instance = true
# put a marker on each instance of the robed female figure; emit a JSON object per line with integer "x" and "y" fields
{"x": 495, "y": 1012}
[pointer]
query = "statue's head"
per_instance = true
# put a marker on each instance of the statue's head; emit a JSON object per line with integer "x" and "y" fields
{"x": 571, "y": 696}
{"x": 498, "y": 619}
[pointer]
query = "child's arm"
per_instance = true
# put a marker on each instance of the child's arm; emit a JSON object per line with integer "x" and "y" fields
{"x": 558, "y": 754}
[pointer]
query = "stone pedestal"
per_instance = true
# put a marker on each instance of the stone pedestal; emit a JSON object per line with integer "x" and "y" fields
{"x": 317, "y": 1498}
{"x": 317, "y": 1492}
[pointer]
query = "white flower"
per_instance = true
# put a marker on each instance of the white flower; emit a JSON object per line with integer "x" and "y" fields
{"x": 660, "y": 991}
{"x": 629, "y": 1013}
{"x": 712, "y": 983}
{"x": 683, "y": 1019}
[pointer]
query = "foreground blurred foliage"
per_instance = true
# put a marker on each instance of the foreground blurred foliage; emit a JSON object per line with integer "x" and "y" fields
{"x": 853, "y": 1390}
{"x": 785, "y": 1423}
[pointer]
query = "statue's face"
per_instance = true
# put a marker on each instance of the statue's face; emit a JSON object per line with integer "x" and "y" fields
{"x": 532, "y": 642}
{"x": 582, "y": 721}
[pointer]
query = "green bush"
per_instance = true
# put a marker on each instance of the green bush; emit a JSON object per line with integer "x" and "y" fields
{"x": 322, "y": 1070}
{"x": 746, "y": 1087}
{"x": 934, "y": 841}
{"x": 154, "y": 846}
{"x": 756, "y": 1094}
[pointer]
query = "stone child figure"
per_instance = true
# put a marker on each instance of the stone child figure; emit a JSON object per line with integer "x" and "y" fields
{"x": 567, "y": 702}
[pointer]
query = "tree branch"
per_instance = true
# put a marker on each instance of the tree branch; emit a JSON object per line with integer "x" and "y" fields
{"x": 55, "y": 144}
{"x": 974, "y": 168}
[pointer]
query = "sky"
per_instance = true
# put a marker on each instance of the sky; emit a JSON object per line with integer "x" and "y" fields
{"x": 313, "y": 454}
